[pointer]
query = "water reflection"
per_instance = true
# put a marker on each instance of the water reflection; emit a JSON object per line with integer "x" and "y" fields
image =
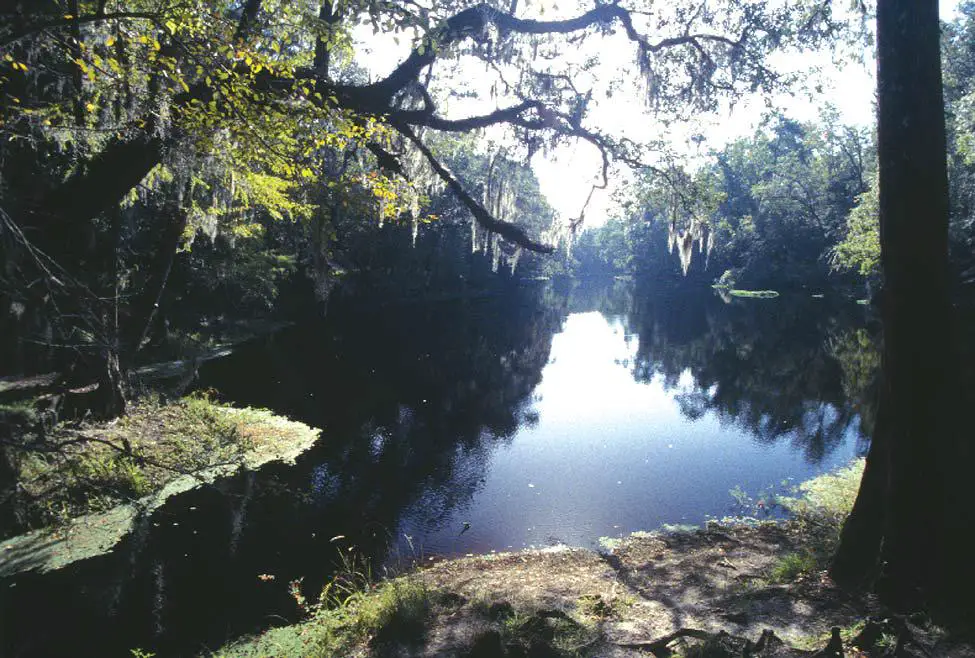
{"x": 794, "y": 368}
{"x": 540, "y": 415}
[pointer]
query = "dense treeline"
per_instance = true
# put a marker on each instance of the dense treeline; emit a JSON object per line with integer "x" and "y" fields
{"x": 767, "y": 212}
{"x": 794, "y": 204}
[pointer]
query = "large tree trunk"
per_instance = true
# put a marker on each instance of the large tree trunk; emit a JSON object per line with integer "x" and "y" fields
{"x": 907, "y": 506}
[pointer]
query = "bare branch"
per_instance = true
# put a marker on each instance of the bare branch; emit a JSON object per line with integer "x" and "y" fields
{"x": 506, "y": 230}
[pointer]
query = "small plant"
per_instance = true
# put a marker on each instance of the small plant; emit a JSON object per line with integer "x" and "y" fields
{"x": 742, "y": 499}
{"x": 597, "y": 607}
{"x": 793, "y": 565}
{"x": 887, "y": 643}
{"x": 822, "y": 506}
{"x": 818, "y": 641}
{"x": 556, "y": 631}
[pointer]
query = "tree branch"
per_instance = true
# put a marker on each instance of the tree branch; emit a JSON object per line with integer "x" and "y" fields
{"x": 75, "y": 21}
{"x": 429, "y": 120}
{"x": 508, "y": 231}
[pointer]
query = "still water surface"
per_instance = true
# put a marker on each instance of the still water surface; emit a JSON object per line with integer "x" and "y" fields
{"x": 543, "y": 415}
{"x": 602, "y": 454}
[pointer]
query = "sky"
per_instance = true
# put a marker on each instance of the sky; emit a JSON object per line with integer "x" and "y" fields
{"x": 567, "y": 174}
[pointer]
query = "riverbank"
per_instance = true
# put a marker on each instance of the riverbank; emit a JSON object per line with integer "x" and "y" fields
{"x": 690, "y": 592}
{"x": 82, "y": 487}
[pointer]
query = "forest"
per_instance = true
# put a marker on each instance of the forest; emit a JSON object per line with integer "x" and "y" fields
{"x": 333, "y": 211}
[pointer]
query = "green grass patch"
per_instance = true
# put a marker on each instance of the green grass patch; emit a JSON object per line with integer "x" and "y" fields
{"x": 82, "y": 467}
{"x": 827, "y": 499}
{"x": 820, "y": 507}
{"x": 392, "y": 613}
{"x": 549, "y": 633}
{"x": 791, "y": 566}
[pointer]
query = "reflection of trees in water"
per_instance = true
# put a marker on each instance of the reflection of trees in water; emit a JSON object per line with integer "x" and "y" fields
{"x": 444, "y": 384}
{"x": 412, "y": 398}
{"x": 784, "y": 369}
{"x": 858, "y": 352}
{"x": 611, "y": 297}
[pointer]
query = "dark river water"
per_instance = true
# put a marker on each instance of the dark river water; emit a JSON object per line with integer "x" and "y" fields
{"x": 543, "y": 415}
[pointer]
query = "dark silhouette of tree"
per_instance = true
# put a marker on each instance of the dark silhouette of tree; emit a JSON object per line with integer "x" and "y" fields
{"x": 910, "y": 523}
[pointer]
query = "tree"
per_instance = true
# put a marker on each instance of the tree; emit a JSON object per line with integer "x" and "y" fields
{"x": 235, "y": 111}
{"x": 767, "y": 210}
{"x": 910, "y": 520}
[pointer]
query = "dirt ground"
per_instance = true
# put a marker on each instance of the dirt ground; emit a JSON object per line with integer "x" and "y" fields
{"x": 628, "y": 602}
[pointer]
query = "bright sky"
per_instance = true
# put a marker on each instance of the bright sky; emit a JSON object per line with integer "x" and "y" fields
{"x": 566, "y": 175}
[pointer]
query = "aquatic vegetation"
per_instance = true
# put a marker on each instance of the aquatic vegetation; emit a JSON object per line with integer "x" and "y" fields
{"x": 828, "y": 498}
{"x": 819, "y": 510}
{"x": 754, "y": 294}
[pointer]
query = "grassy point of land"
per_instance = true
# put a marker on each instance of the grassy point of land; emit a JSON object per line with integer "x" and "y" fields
{"x": 85, "y": 485}
{"x": 669, "y": 592}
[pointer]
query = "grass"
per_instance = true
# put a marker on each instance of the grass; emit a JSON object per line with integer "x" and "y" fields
{"x": 595, "y": 607}
{"x": 18, "y": 413}
{"x": 79, "y": 468}
{"x": 391, "y": 613}
{"x": 818, "y": 641}
{"x": 548, "y": 633}
{"x": 791, "y": 566}
{"x": 819, "y": 510}
{"x": 827, "y": 499}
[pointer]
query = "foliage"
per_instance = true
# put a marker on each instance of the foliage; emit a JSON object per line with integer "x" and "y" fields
{"x": 819, "y": 511}
{"x": 791, "y": 566}
{"x": 765, "y": 210}
{"x": 827, "y": 499}
{"x": 128, "y": 129}
{"x": 860, "y": 249}
{"x": 451, "y": 254}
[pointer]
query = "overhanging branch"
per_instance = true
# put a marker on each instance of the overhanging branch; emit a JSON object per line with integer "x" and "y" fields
{"x": 506, "y": 230}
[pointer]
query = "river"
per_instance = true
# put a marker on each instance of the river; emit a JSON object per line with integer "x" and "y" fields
{"x": 545, "y": 414}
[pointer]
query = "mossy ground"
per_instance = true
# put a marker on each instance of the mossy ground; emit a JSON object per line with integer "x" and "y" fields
{"x": 79, "y": 468}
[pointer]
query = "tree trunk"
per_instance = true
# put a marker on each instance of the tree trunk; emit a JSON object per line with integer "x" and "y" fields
{"x": 145, "y": 309}
{"x": 914, "y": 463}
